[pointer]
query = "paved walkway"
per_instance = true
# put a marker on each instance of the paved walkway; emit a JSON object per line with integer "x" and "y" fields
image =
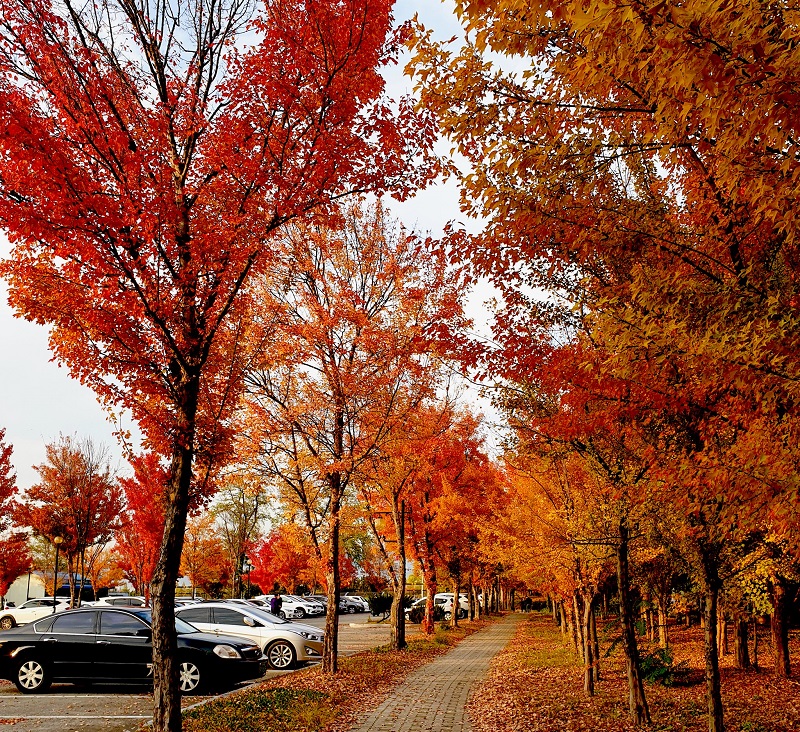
{"x": 434, "y": 697}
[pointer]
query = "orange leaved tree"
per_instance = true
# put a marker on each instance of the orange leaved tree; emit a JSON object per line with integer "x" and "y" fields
{"x": 350, "y": 320}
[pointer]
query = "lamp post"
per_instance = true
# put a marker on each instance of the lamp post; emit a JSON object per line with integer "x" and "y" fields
{"x": 57, "y": 540}
{"x": 247, "y": 567}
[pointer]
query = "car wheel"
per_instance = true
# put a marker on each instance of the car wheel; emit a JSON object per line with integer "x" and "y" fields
{"x": 7, "y": 623}
{"x": 351, "y": 609}
{"x": 280, "y": 655}
{"x": 191, "y": 678}
{"x": 448, "y": 615}
{"x": 300, "y": 613}
{"x": 281, "y": 615}
{"x": 32, "y": 676}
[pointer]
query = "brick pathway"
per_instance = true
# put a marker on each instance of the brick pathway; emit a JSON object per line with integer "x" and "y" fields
{"x": 434, "y": 697}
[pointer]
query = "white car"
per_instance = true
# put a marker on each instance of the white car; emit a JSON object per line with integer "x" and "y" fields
{"x": 359, "y": 599}
{"x": 311, "y": 607}
{"x": 445, "y": 599}
{"x": 290, "y": 607}
{"x": 120, "y": 601}
{"x": 283, "y": 643}
{"x": 31, "y": 610}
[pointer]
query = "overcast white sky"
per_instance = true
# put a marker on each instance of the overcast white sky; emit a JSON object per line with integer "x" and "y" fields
{"x": 39, "y": 400}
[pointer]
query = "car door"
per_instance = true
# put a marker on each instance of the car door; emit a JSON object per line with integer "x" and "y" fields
{"x": 124, "y": 647}
{"x": 70, "y": 644}
{"x": 230, "y": 621}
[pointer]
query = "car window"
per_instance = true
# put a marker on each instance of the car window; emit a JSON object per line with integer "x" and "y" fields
{"x": 42, "y": 626}
{"x": 74, "y": 623}
{"x": 265, "y": 616}
{"x": 114, "y": 623}
{"x": 195, "y": 614}
{"x": 228, "y": 616}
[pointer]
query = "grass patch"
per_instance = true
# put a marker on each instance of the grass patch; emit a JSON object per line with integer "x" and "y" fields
{"x": 263, "y": 710}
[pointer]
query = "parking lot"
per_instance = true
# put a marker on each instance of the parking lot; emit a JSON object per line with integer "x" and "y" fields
{"x": 98, "y": 708}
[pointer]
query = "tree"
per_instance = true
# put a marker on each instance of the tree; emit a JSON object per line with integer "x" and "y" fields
{"x": 143, "y": 180}
{"x": 78, "y": 499}
{"x": 239, "y": 510}
{"x": 356, "y": 309}
{"x": 205, "y": 561}
{"x": 612, "y": 181}
{"x": 15, "y": 560}
{"x": 8, "y": 484}
{"x": 284, "y": 559}
{"x": 142, "y": 526}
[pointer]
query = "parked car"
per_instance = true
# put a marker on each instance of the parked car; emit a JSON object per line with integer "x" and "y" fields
{"x": 114, "y": 644}
{"x": 31, "y": 610}
{"x": 290, "y": 607}
{"x": 284, "y": 643}
{"x": 357, "y": 599}
{"x": 181, "y": 601}
{"x": 311, "y": 607}
{"x": 119, "y": 601}
{"x": 321, "y": 599}
{"x": 445, "y": 599}
{"x": 350, "y": 605}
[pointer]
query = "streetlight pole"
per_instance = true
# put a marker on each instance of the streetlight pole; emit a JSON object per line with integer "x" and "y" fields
{"x": 57, "y": 540}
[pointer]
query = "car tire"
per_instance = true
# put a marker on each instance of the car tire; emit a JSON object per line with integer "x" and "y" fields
{"x": 191, "y": 678}
{"x": 448, "y": 615}
{"x": 281, "y": 615}
{"x": 7, "y": 623}
{"x": 351, "y": 609}
{"x": 32, "y": 676}
{"x": 281, "y": 655}
{"x": 300, "y": 613}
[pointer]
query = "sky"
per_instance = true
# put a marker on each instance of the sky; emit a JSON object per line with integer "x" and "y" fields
{"x": 38, "y": 398}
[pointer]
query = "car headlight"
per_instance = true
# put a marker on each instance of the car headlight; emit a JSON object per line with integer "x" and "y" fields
{"x": 226, "y": 651}
{"x": 307, "y": 635}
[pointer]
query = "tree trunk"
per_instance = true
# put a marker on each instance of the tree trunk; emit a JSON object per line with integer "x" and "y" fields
{"x": 755, "y": 643}
{"x": 398, "y": 618}
{"x": 780, "y": 626}
{"x": 456, "y": 601}
{"x": 713, "y": 692}
{"x": 595, "y": 646}
{"x": 722, "y": 631}
{"x": 331, "y": 643}
{"x": 588, "y": 647}
{"x": 740, "y": 649}
{"x": 486, "y": 601}
{"x": 166, "y": 670}
{"x": 663, "y": 637}
{"x": 580, "y": 623}
{"x": 637, "y": 702}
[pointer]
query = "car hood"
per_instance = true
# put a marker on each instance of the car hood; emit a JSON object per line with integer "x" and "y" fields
{"x": 303, "y": 627}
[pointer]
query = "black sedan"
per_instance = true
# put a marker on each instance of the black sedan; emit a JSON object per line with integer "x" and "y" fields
{"x": 115, "y": 645}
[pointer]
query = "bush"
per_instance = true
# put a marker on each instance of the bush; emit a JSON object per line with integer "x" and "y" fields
{"x": 658, "y": 666}
{"x": 381, "y": 604}
{"x": 418, "y": 614}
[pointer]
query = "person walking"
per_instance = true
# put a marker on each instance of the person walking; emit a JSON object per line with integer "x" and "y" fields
{"x": 275, "y": 603}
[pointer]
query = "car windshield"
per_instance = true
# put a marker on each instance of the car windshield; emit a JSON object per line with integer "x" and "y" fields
{"x": 181, "y": 626}
{"x": 265, "y": 616}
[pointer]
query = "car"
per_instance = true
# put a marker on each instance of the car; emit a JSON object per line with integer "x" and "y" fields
{"x": 445, "y": 599}
{"x": 119, "y": 601}
{"x": 285, "y": 644}
{"x": 114, "y": 644}
{"x": 290, "y": 608}
{"x": 181, "y": 601}
{"x": 31, "y": 610}
{"x": 348, "y": 605}
{"x": 311, "y": 607}
{"x": 358, "y": 599}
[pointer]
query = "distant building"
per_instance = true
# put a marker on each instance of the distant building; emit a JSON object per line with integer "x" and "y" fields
{"x": 29, "y": 585}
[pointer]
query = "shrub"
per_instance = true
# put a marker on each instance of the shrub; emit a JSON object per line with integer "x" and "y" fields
{"x": 658, "y": 666}
{"x": 381, "y": 604}
{"x": 418, "y": 613}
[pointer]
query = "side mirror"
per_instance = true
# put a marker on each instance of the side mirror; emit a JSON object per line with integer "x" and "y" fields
{"x": 250, "y": 622}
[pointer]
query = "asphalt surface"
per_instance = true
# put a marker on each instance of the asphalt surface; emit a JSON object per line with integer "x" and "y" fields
{"x": 113, "y": 708}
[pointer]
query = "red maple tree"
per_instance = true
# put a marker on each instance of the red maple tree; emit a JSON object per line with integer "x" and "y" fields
{"x": 142, "y": 183}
